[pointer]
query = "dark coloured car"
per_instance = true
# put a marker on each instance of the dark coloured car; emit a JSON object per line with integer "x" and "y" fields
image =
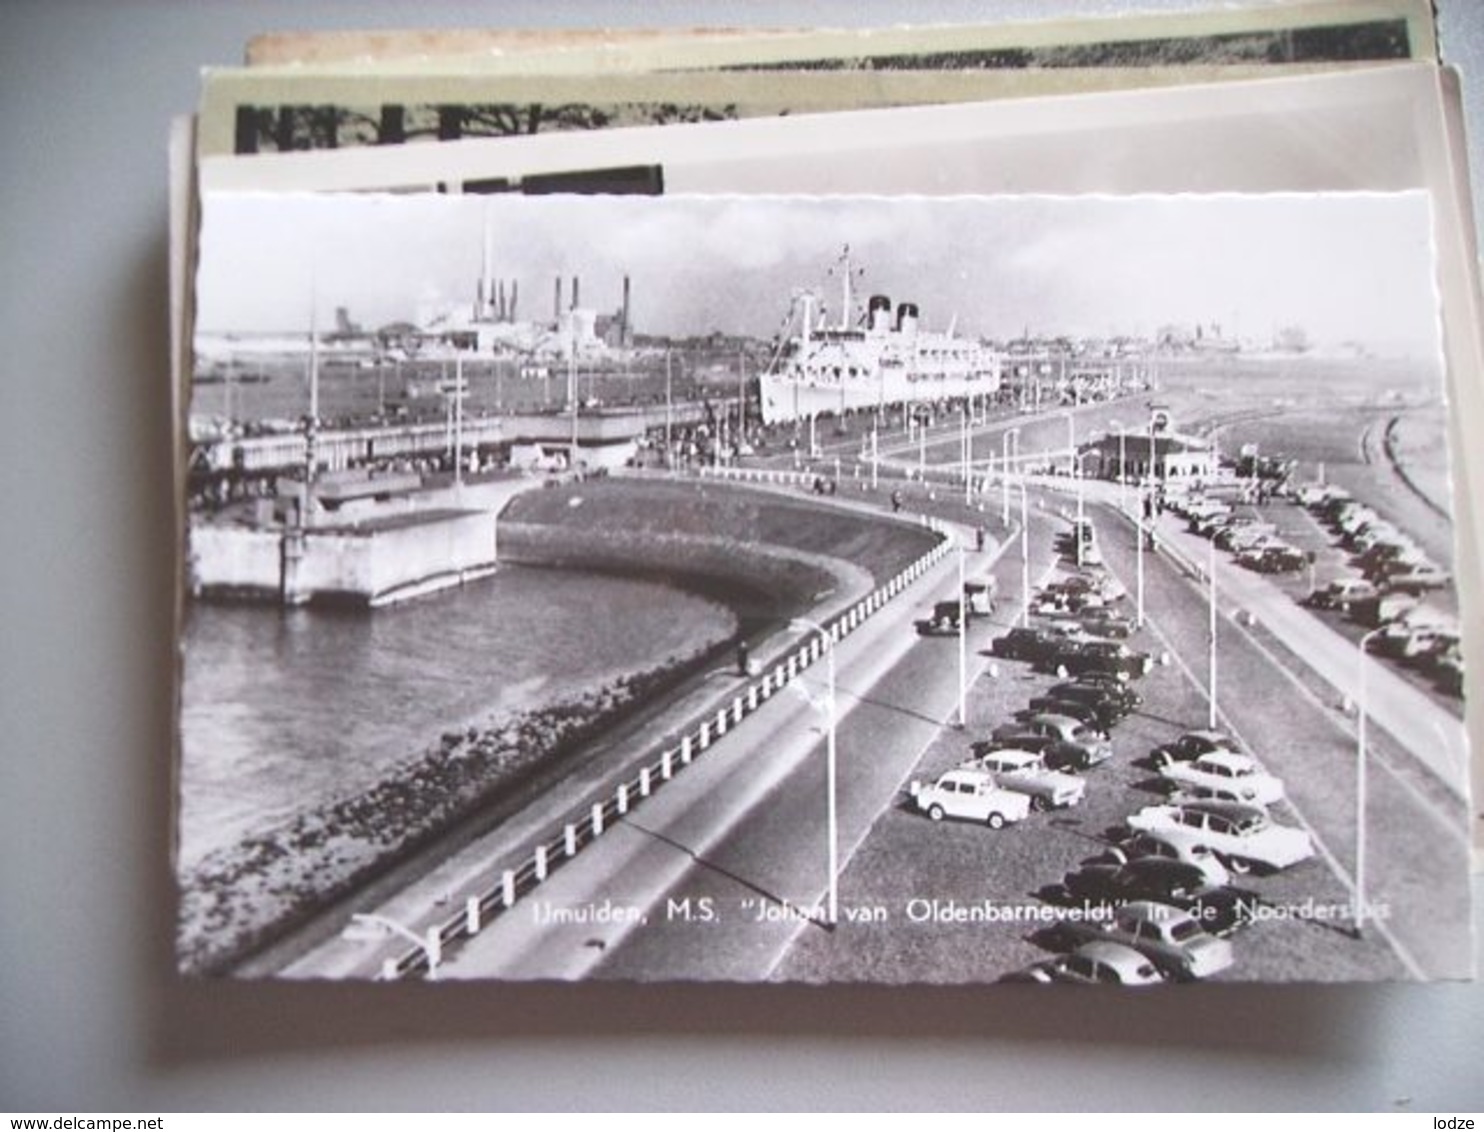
{"x": 1112, "y": 691}
{"x": 1066, "y": 743}
{"x": 1192, "y": 745}
{"x": 1343, "y": 593}
{"x": 1219, "y": 909}
{"x": 1103, "y": 624}
{"x": 943, "y": 622}
{"x": 1447, "y": 672}
{"x": 1107, "y": 657}
{"x": 1104, "y": 680}
{"x": 1099, "y": 712}
{"x": 1274, "y": 560}
{"x": 1023, "y": 644}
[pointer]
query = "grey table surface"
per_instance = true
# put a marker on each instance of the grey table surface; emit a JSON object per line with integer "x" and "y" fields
{"x": 90, "y": 1018}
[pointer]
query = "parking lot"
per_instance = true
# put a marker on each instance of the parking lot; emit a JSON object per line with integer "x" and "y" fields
{"x": 972, "y": 904}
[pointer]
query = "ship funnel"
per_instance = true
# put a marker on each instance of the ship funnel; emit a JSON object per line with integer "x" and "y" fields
{"x": 878, "y": 313}
{"x": 907, "y": 318}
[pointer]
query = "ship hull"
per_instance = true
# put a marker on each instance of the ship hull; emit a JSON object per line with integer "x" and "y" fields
{"x": 786, "y": 397}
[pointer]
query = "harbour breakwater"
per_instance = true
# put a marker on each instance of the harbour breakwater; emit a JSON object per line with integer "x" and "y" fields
{"x": 242, "y": 897}
{"x": 239, "y": 898}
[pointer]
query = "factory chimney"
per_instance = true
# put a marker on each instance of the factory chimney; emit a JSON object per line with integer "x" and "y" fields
{"x": 623, "y": 321}
{"x": 514, "y": 284}
{"x": 558, "y": 311}
{"x": 486, "y": 285}
{"x": 576, "y": 302}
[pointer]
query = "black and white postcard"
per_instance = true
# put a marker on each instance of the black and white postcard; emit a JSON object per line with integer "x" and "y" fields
{"x": 821, "y": 589}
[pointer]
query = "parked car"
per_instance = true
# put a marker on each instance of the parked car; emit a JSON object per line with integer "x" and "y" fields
{"x": 1242, "y": 533}
{"x": 1218, "y": 908}
{"x": 1099, "y": 713}
{"x": 1343, "y": 593}
{"x": 1240, "y": 774}
{"x": 1027, "y": 772}
{"x": 1419, "y": 580}
{"x": 1245, "y": 837}
{"x": 1447, "y": 672}
{"x": 1023, "y": 644}
{"x": 1072, "y": 757}
{"x": 1114, "y": 693}
{"x": 971, "y": 794}
{"x": 1106, "y": 680}
{"x": 1071, "y": 744}
{"x": 1105, "y": 624}
{"x": 1170, "y": 938}
{"x": 1100, "y": 684}
{"x": 1273, "y": 559}
{"x": 1382, "y": 609}
{"x": 1110, "y": 657}
{"x": 1097, "y": 962}
{"x": 1154, "y": 844}
{"x": 1066, "y": 727}
{"x": 1191, "y": 745}
{"x": 1184, "y": 794}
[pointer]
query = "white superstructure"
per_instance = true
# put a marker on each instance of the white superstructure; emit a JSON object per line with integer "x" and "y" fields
{"x": 886, "y": 359}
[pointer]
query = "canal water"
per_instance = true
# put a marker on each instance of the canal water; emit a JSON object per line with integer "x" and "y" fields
{"x": 285, "y": 709}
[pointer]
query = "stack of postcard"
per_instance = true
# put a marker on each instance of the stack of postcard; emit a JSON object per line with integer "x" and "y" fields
{"x": 913, "y": 505}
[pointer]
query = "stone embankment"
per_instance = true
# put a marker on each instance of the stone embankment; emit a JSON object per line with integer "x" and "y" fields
{"x": 768, "y": 558}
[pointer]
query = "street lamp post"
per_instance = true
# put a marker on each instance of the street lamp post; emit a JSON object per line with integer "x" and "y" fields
{"x": 1074, "y": 470}
{"x": 1361, "y": 707}
{"x": 1122, "y": 465}
{"x": 1211, "y": 576}
{"x": 1005, "y": 459}
{"x": 833, "y": 833}
{"x": 968, "y": 453}
{"x": 1139, "y": 559}
{"x": 1025, "y": 559}
{"x": 963, "y": 641}
{"x": 669, "y": 410}
{"x": 369, "y": 925}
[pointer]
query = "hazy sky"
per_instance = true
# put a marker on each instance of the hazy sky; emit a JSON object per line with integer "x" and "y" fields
{"x": 1344, "y": 266}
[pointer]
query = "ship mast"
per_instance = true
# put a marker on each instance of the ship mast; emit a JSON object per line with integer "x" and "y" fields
{"x": 845, "y": 288}
{"x": 311, "y": 424}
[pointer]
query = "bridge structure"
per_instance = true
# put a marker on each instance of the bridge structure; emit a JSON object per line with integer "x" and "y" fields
{"x": 221, "y": 459}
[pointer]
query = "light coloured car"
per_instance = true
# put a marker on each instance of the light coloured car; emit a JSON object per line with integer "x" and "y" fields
{"x": 1170, "y": 938}
{"x": 1097, "y": 962}
{"x": 1228, "y": 774}
{"x": 973, "y": 795}
{"x": 1027, "y": 772}
{"x": 1245, "y": 837}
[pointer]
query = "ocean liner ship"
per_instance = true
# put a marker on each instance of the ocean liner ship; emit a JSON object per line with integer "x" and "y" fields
{"x": 882, "y": 360}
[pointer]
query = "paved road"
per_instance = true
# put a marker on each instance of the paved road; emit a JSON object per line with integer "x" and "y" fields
{"x": 1416, "y": 859}
{"x": 717, "y": 872}
{"x": 1433, "y": 735}
{"x": 723, "y": 874}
